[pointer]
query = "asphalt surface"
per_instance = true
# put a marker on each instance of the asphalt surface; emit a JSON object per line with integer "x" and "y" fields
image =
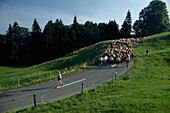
{"x": 46, "y": 92}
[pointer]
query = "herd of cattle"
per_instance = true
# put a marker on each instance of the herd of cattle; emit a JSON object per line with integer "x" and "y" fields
{"x": 119, "y": 51}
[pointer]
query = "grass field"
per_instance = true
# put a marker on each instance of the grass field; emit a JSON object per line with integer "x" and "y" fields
{"x": 30, "y": 75}
{"x": 145, "y": 88}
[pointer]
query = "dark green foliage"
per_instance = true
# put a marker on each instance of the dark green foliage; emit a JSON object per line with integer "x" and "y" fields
{"x": 75, "y": 28}
{"x": 73, "y": 39}
{"x": 91, "y": 33}
{"x": 153, "y": 19}
{"x": 109, "y": 31}
{"x": 9, "y": 43}
{"x": 138, "y": 29}
{"x": 127, "y": 26}
{"x": 35, "y": 44}
{"x": 124, "y": 30}
{"x": 28, "y": 48}
{"x": 112, "y": 30}
{"x": 13, "y": 44}
{"x": 129, "y": 23}
{"x": 48, "y": 41}
{"x": 103, "y": 31}
{"x": 2, "y": 49}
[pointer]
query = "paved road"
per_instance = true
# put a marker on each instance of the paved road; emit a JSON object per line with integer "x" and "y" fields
{"x": 46, "y": 92}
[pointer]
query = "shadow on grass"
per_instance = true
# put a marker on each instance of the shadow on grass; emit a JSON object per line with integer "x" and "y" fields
{"x": 167, "y": 60}
{"x": 167, "y": 89}
{"x": 16, "y": 66}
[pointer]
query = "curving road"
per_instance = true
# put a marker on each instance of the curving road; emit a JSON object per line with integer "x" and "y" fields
{"x": 46, "y": 92}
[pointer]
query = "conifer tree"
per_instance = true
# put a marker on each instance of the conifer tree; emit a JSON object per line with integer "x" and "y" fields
{"x": 124, "y": 30}
{"x": 127, "y": 26}
{"x": 9, "y": 45}
{"x": 129, "y": 23}
{"x": 102, "y": 31}
{"x": 112, "y": 30}
{"x": 48, "y": 41}
{"x": 2, "y": 49}
{"x": 75, "y": 27}
{"x": 17, "y": 41}
{"x": 13, "y": 44}
{"x": 35, "y": 46}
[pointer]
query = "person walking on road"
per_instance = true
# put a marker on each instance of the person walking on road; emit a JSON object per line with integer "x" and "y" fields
{"x": 147, "y": 52}
{"x": 59, "y": 79}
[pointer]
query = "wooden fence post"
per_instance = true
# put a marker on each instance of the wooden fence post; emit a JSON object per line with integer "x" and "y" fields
{"x": 82, "y": 89}
{"x": 34, "y": 99}
{"x": 115, "y": 75}
{"x": 18, "y": 81}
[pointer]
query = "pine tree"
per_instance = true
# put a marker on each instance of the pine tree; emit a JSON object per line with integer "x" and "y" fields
{"x": 76, "y": 29}
{"x": 103, "y": 31}
{"x": 9, "y": 45}
{"x": 96, "y": 33}
{"x": 13, "y": 43}
{"x": 116, "y": 29}
{"x": 127, "y": 26}
{"x": 87, "y": 37}
{"x": 35, "y": 45}
{"x": 75, "y": 21}
{"x": 48, "y": 41}
{"x": 17, "y": 42}
{"x": 124, "y": 30}
{"x": 73, "y": 39}
{"x": 61, "y": 40}
{"x": 2, "y": 49}
{"x": 129, "y": 23}
{"x": 24, "y": 45}
{"x": 112, "y": 30}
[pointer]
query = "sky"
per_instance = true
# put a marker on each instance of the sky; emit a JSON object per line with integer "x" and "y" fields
{"x": 97, "y": 11}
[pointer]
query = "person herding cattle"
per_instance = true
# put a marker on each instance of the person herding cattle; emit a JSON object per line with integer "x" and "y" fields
{"x": 147, "y": 52}
{"x": 100, "y": 59}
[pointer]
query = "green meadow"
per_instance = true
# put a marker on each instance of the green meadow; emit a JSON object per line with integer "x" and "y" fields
{"x": 144, "y": 89}
{"x": 31, "y": 75}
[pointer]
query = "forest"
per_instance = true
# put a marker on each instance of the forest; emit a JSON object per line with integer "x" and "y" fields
{"x": 21, "y": 46}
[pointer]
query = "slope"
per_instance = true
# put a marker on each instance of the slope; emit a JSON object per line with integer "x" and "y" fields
{"x": 145, "y": 88}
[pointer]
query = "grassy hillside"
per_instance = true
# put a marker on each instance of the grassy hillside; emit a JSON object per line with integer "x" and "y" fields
{"x": 145, "y": 88}
{"x": 40, "y": 73}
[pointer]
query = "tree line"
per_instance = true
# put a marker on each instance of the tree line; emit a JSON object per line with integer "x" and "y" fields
{"x": 19, "y": 46}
